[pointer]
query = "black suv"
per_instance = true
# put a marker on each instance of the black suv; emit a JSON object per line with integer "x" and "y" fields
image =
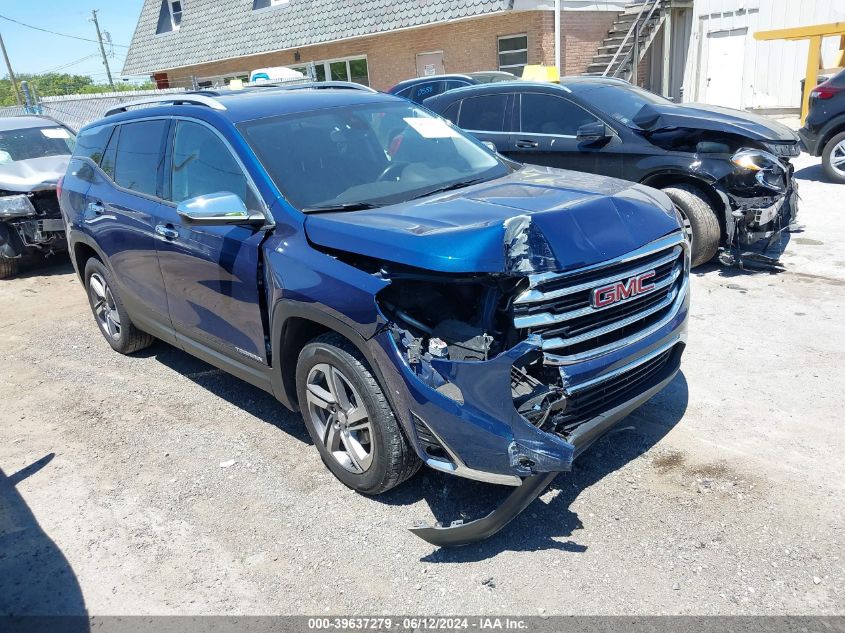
{"x": 727, "y": 171}
{"x": 823, "y": 133}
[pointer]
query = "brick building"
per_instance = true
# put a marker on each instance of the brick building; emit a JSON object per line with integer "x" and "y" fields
{"x": 377, "y": 42}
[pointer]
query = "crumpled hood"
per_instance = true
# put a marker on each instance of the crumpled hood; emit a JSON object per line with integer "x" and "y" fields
{"x": 715, "y": 118}
{"x": 536, "y": 219}
{"x": 35, "y": 174}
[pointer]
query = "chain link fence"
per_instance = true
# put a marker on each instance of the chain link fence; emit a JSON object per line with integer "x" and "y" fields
{"x": 78, "y": 110}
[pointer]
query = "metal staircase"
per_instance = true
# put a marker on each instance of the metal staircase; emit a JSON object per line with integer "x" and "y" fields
{"x": 629, "y": 39}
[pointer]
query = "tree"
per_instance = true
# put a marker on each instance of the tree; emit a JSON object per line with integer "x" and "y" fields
{"x": 50, "y": 84}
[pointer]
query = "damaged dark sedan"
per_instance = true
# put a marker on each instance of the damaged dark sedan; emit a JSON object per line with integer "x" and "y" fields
{"x": 728, "y": 172}
{"x": 34, "y": 153}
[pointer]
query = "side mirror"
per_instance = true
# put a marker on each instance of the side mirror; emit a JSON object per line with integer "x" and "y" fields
{"x": 219, "y": 208}
{"x": 592, "y": 132}
{"x": 490, "y": 145}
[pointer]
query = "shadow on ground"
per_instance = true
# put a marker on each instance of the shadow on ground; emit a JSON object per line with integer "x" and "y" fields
{"x": 35, "y": 577}
{"x": 251, "y": 399}
{"x": 814, "y": 173}
{"x": 546, "y": 521}
{"x": 38, "y": 267}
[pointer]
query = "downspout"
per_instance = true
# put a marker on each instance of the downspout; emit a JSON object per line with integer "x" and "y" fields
{"x": 557, "y": 38}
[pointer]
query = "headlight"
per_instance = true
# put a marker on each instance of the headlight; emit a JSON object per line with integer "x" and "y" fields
{"x": 16, "y": 206}
{"x": 769, "y": 172}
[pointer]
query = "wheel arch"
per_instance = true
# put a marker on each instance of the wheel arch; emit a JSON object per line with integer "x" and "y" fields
{"x": 663, "y": 180}
{"x": 295, "y": 324}
{"x": 81, "y": 251}
{"x": 834, "y": 127}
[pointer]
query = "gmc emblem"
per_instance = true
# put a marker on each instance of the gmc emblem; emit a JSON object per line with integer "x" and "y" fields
{"x": 621, "y": 290}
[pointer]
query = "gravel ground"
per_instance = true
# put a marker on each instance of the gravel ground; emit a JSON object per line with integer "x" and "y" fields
{"x": 722, "y": 495}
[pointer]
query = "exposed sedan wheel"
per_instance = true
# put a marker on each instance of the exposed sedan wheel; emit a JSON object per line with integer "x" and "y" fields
{"x": 833, "y": 158}
{"x": 8, "y": 268}
{"x": 109, "y": 312}
{"x": 349, "y": 418}
{"x": 700, "y": 222}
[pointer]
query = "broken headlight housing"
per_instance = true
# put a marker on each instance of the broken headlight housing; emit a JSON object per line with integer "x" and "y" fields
{"x": 768, "y": 171}
{"x": 18, "y": 206}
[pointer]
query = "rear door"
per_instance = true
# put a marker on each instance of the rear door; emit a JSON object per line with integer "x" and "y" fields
{"x": 211, "y": 272}
{"x": 119, "y": 213}
{"x": 548, "y": 135}
{"x": 487, "y": 117}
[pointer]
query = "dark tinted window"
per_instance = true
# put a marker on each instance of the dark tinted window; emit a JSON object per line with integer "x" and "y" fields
{"x": 110, "y": 153}
{"x": 451, "y": 112}
{"x": 484, "y": 113}
{"x": 454, "y": 83}
{"x": 91, "y": 143}
{"x": 547, "y": 114}
{"x": 140, "y": 154}
{"x": 203, "y": 164}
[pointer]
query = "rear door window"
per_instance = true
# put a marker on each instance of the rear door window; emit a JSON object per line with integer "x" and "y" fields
{"x": 140, "y": 156}
{"x": 547, "y": 114}
{"x": 426, "y": 90}
{"x": 91, "y": 143}
{"x": 485, "y": 113}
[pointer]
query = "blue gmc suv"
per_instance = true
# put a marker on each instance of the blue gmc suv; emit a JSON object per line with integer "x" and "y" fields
{"x": 419, "y": 298}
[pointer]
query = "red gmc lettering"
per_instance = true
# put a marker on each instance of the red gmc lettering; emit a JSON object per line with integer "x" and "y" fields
{"x": 621, "y": 290}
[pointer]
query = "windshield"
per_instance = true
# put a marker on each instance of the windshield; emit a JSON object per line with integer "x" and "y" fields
{"x": 620, "y": 102}
{"x": 34, "y": 142}
{"x": 362, "y": 156}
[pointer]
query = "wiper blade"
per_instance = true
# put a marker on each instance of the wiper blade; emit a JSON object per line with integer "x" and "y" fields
{"x": 346, "y": 206}
{"x": 455, "y": 185}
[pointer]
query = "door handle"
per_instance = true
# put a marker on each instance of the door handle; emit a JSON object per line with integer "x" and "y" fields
{"x": 96, "y": 208}
{"x": 525, "y": 144}
{"x": 167, "y": 232}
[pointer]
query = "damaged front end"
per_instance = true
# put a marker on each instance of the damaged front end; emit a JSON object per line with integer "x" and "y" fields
{"x": 30, "y": 222}
{"x": 510, "y": 376}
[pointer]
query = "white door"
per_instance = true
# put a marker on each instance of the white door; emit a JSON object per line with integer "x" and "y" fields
{"x": 725, "y": 60}
{"x": 429, "y": 64}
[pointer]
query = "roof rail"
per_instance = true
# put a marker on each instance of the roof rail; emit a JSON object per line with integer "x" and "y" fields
{"x": 185, "y": 99}
{"x": 348, "y": 85}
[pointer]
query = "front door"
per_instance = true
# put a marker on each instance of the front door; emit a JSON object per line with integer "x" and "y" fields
{"x": 430, "y": 64}
{"x": 211, "y": 272}
{"x": 548, "y": 135}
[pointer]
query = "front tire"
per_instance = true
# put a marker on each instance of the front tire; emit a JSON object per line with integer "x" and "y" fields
{"x": 700, "y": 222}
{"x": 111, "y": 316}
{"x": 833, "y": 158}
{"x": 8, "y": 268}
{"x": 349, "y": 418}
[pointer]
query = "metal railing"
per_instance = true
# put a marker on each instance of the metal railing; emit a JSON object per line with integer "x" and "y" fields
{"x": 635, "y": 30}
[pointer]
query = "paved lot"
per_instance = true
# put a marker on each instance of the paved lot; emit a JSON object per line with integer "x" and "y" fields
{"x": 725, "y": 495}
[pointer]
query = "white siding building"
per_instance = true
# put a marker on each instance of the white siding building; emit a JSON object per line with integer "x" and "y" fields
{"x": 727, "y": 66}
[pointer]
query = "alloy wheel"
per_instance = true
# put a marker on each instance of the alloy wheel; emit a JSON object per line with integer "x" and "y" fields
{"x": 687, "y": 226}
{"x": 105, "y": 309}
{"x": 340, "y": 417}
{"x": 837, "y": 158}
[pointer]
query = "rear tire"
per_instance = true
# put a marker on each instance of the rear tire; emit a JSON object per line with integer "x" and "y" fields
{"x": 834, "y": 151}
{"x": 702, "y": 221}
{"x": 8, "y": 268}
{"x": 349, "y": 418}
{"x": 110, "y": 314}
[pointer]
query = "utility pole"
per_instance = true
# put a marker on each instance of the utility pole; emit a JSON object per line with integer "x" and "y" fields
{"x": 102, "y": 48}
{"x": 11, "y": 74}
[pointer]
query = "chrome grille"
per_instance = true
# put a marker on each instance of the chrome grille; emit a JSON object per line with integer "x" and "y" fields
{"x": 558, "y": 306}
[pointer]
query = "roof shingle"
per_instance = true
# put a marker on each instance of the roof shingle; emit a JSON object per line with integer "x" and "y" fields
{"x": 212, "y": 30}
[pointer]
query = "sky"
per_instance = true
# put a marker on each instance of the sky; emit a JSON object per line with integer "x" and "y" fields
{"x": 34, "y": 51}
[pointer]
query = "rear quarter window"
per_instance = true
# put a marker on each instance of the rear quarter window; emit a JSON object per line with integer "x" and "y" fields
{"x": 91, "y": 143}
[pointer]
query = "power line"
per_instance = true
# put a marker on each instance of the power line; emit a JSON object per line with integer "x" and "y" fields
{"x": 73, "y": 37}
{"x": 67, "y": 65}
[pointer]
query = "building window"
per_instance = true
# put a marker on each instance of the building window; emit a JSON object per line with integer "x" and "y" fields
{"x": 265, "y": 4}
{"x": 170, "y": 16}
{"x": 513, "y": 53}
{"x": 350, "y": 69}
